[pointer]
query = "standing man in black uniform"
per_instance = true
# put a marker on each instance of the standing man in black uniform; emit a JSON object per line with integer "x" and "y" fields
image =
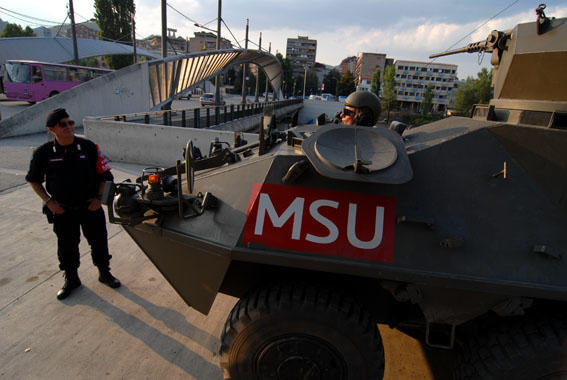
{"x": 74, "y": 171}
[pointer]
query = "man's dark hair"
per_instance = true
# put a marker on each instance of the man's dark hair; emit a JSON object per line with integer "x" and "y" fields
{"x": 53, "y": 117}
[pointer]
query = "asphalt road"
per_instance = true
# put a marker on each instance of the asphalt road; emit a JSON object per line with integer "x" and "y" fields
{"x": 142, "y": 330}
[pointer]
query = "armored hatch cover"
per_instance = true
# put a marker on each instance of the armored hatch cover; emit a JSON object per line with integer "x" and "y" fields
{"x": 359, "y": 154}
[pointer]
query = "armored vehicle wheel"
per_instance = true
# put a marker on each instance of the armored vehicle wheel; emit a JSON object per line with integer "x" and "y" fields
{"x": 300, "y": 331}
{"x": 530, "y": 348}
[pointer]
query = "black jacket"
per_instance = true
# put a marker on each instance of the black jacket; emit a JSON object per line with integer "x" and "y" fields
{"x": 71, "y": 172}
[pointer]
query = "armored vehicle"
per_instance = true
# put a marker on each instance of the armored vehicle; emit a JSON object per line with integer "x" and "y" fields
{"x": 454, "y": 232}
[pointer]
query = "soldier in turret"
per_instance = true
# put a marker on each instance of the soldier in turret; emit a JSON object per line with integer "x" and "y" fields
{"x": 361, "y": 108}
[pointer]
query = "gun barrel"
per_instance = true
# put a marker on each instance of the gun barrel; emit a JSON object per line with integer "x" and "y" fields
{"x": 470, "y": 48}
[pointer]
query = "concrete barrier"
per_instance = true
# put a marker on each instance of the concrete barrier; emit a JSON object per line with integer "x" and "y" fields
{"x": 162, "y": 145}
{"x": 151, "y": 144}
{"x": 123, "y": 91}
{"x": 313, "y": 108}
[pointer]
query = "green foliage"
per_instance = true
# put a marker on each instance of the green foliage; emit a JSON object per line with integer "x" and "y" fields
{"x": 376, "y": 82}
{"x": 15, "y": 30}
{"x": 91, "y": 62}
{"x": 114, "y": 18}
{"x": 474, "y": 91}
{"x": 389, "y": 89}
{"x": 287, "y": 80}
{"x": 427, "y": 101}
{"x": 346, "y": 84}
{"x": 331, "y": 81}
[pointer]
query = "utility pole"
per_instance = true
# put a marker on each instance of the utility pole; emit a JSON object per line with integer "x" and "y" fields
{"x": 244, "y": 68}
{"x": 164, "y": 28}
{"x": 258, "y": 71}
{"x": 304, "y": 81}
{"x": 134, "y": 35}
{"x": 73, "y": 33}
{"x": 217, "y": 78}
{"x": 266, "y": 98}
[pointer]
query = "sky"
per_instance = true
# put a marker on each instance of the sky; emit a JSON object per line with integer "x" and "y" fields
{"x": 405, "y": 30}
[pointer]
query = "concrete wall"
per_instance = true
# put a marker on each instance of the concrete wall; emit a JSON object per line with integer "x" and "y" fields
{"x": 313, "y": 108}
{"x": 151, "y": 144}
{"x": 163, "y": 145}
{"x": 120, "y": 92}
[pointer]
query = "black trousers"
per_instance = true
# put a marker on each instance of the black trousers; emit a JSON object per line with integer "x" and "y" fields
{"x": 67, "y": 228}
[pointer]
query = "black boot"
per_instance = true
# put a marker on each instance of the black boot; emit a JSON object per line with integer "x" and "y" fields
{"x": 107, "y": 278}
{"x": 72, "y": 281}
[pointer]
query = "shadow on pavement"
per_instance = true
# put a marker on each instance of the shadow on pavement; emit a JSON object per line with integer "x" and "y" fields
{"x": 167, "y": 347}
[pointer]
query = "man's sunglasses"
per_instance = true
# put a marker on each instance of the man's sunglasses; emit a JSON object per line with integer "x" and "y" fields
{"x": 63, "y": 124}
{"x": 348, "y": 112}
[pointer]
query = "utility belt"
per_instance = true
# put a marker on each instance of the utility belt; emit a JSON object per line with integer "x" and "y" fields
{"x": 50, "y": 216}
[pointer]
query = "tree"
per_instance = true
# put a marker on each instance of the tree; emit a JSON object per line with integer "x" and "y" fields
{"x": 312, "y": 82}
{"x": 474, "y": 91}
{"x": 114, "y": 18}
{"x": 427, "y": 101}
{"x": 346, "y": 84}
{"x": 287, "y": 80}
{"x": 389, "y": 90}
{"x": 376, "y": 82}
{"x": 331, "y": 81}
{"x": 15, "y": 30}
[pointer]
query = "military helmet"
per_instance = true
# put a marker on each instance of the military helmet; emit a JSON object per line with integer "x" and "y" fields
{"x": 365, "y": 99}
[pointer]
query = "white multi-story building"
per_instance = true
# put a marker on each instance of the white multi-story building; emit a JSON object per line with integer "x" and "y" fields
{"x": 413, "y": 77}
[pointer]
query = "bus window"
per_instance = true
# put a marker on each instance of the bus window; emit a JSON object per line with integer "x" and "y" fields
{"x": 84, "y": 75}
{"x": 17, "y": 73}
{"x": 73, "y": 77}
{"x": 55, "y": 73}
{"x": 36, "y": 74}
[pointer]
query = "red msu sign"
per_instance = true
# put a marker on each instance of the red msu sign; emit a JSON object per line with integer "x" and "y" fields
{"x": 328, "y": 222}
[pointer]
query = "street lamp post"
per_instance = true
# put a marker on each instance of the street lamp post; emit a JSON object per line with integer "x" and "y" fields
{"x": 244, "y": 68}
{"x": 258, "y": 71}
{"x": 217, "y": 78}
{"x": 304, "y": 80}
{"x": 266, "y": 98}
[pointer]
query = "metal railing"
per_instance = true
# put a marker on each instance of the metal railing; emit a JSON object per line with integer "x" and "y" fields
{"x": 202, "y": 117}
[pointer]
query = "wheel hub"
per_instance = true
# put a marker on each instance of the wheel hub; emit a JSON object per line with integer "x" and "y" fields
{"x": 300, "y": 357}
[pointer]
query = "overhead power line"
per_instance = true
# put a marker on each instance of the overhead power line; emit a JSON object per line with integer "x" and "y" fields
{"x": 231, "y": 33}
{"x": 28, "y": 17}
{"x": 187, "y": 17}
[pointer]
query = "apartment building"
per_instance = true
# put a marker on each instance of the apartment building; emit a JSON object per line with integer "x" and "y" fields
{"x": 207, "y": 41}
{"x": 348, "y": 64}
{"x": 366, "y": 65}
{"x": 413, "y": 77}
{"x": 301, "y": 52}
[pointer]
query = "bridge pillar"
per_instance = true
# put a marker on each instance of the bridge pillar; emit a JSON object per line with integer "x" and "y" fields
{"x": 197, "y": 118}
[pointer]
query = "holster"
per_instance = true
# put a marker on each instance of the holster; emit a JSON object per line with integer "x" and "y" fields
{"x": 48, "y": 214}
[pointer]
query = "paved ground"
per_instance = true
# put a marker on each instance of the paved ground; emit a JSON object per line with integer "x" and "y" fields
{"x": 142, "y": 330}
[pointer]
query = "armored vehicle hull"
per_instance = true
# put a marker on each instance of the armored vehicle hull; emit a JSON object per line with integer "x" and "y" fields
{"x": 453, "y": 232}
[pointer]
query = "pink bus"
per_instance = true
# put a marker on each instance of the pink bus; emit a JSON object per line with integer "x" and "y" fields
{"x": 35, "y": 81}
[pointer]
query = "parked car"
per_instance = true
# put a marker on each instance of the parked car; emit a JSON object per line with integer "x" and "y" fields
{"x": 185, "y": 95}
{"x": 342, "y": 98}
{"x": 209, "y": 99}
{"x": 328, "y": 97}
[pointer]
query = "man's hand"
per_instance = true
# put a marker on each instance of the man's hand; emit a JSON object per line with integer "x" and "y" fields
{"x": 94, "y": 204}
{"x": 55, "y": 207}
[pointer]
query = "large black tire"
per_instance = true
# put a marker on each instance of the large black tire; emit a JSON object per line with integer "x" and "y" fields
{"x": 528, "y": 348}
{"x": 300, "y": 331}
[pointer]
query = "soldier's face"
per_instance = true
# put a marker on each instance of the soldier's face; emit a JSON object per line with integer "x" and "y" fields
{"x": 64, "y": 129}
{"x": 347, "y": 117}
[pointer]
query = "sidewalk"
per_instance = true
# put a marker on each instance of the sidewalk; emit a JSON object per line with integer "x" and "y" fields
{"x": 142, "y": 330}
